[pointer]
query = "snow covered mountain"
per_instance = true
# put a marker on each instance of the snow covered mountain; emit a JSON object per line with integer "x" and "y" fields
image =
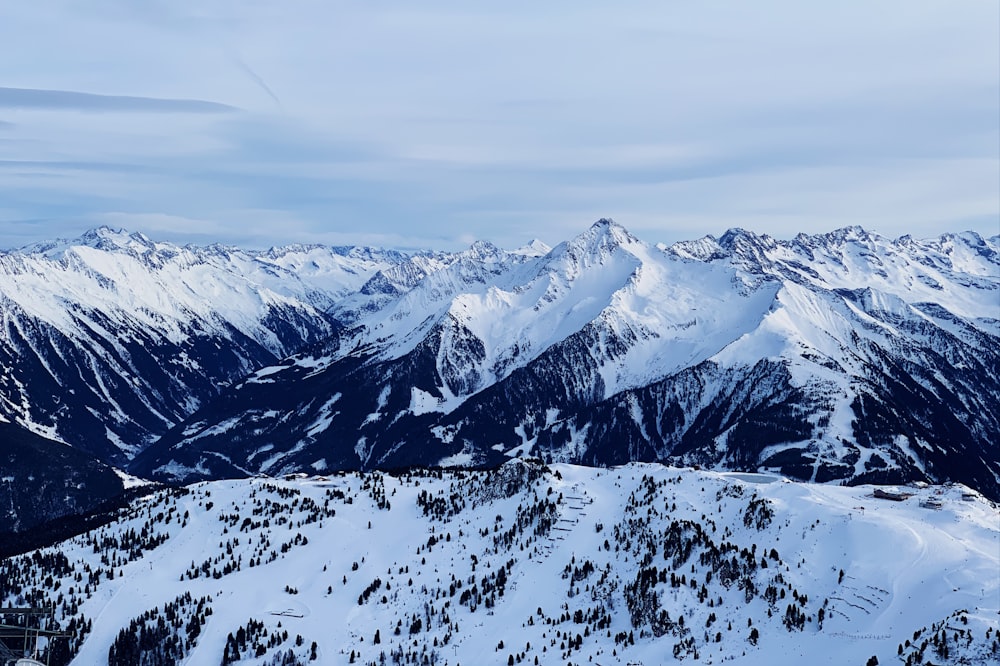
{"x": 837, "y": 356}
{"x": 110, "y": 339}
{"x": 526, "y": 564}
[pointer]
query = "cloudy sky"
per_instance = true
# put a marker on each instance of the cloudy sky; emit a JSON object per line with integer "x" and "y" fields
{"x": 430, "y": 124}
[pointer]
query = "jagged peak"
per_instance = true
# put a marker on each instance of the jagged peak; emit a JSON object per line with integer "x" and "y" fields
{"x": 361, "y": 252}
{"x": 970, "y": 238}
{"x": 404, "y": 274}
{"x": 603, "y": 236}
{"x": 105, "y": 238}
{"x": 483, "y": 249}
{"x": 732, "y": 235}
{"x": 706, "y": 248}
{"x": 609, "y": 228}
{"x": 220, "y": 249}
{"x": 109, "y": 238}
{"x": 734, "y": 242}
{"x": 849, "y": 234}
{"x": 278, "y": 251}
{"x": 535, "y": 248}
{"x": 737, "y": 238}
{"x": 482, "y": 255}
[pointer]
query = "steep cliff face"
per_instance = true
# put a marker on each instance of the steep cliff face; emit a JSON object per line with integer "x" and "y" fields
{"x": 837, "y": 356}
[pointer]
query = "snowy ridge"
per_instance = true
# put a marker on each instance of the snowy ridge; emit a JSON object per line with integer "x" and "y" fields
{"x": 569, "y": 565}
{"x": 112, "y": 338}
{"x": 164, "y": 286}
{"x": 837, "y": 356}
{"x": 960, "y": 270}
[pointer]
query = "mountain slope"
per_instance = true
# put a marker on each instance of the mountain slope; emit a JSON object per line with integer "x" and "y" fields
{"x": 41, "y": 479}
{"x": 108, "y": 340}
{"x": 460, "y": 332}
{"x": 837, "y": 356}
{"x": 565, "y": 565}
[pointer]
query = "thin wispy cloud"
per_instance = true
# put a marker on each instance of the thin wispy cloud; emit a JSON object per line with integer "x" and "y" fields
{"x": 67, "y": 100}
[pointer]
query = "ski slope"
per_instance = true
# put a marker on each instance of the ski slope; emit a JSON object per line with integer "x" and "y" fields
{"x": 337, "y": 559}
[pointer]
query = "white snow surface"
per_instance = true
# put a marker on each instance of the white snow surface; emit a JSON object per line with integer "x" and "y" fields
{"x": 164, "y": 287}
{"x": 497, "y": 311}
{"x": 905, "y": 567}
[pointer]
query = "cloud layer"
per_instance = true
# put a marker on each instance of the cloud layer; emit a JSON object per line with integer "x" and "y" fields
{"x": 430, "y": 124}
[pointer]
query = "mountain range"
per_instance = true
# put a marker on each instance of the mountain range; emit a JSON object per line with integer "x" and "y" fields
{"x": 842, "y": 356}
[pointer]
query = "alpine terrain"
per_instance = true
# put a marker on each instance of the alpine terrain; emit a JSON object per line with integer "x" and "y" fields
{"x": 843, "y": 356}
{"x": 526, "y": 564}
{"x": 735, "y": 449}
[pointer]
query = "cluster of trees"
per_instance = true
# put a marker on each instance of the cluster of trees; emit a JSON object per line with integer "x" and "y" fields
{"x": 374, "y": 484}
{"x": 758, "y": 513}
{"x": 468, "y": 488}
{"x": 439, "y": 507}
{"x": 255, "y": 640}
{"x": 696, "y": 562}
{"x": 161, "y": 638}
{"x": 48, "y": 578}
{"x": 532, "y": 522}
{"x": 398, "y": 656}
{"x": 949, "y": 643}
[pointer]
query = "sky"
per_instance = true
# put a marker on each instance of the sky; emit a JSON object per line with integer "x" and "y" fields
{"x": 433, "y": 124}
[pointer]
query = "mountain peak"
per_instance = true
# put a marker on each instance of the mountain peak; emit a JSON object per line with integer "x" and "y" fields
{"x": 110, "y": 239}
{"x": 732, "y": 235}
{"x": 605, "y": 235}
{"x": 106, "y": 233}
{"x": 483, "y": 247}
{"x": 852, "y": 233}
{"x": 103, "y": 238}
{"x": 736, "y": 238}
{"x": 607, "y": 226}
{"x": 535, "y": 248}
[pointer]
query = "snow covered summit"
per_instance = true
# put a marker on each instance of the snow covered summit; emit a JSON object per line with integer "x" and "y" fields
{"x": 836, "y": 356}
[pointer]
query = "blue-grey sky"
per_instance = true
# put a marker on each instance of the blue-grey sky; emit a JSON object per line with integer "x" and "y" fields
{"x": 431, "y": 124}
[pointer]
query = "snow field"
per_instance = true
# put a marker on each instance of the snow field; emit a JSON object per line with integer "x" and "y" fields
{"x": 905, "y": 567}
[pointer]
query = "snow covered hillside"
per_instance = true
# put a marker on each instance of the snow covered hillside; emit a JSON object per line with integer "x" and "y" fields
{"x": 838, "y": 356}
{"x": 640, "y": 564}
{"x": 111, "y": 338}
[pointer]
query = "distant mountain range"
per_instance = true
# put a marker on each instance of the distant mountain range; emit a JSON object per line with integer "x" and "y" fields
{"x": 837, "y": 356}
